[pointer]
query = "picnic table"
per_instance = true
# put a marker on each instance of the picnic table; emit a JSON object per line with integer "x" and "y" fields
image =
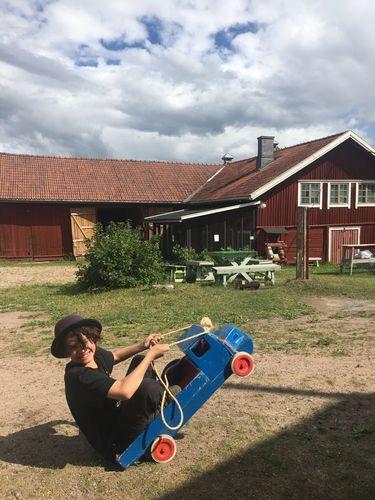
{"x": 249, "y": 272}
{"x": 230, "y": 255}
{"x": 177, "y": 273}
{"x": 202, "y": 269}
{"x": 348, "y": 259}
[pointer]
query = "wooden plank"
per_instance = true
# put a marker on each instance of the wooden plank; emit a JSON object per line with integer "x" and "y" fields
{"x": 252, "y": 268}
{"x": 83, "y": 222}
{"x": 302, "y": 263}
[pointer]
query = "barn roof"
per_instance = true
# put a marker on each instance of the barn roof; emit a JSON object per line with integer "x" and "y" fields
{"x": 241, "y": 180}
{"x": 41, "y": 178}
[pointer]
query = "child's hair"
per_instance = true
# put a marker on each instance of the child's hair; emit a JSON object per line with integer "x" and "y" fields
{"x": 91, "y": 332}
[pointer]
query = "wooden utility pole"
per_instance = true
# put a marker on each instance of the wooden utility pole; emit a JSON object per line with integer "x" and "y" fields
{"x": 302, "y": 262}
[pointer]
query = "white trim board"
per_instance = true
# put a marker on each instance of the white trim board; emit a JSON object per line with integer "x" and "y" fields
{"x": 207, "y": 212}
{"x": 304, "y": 163}
{"x": 330, "y": 229}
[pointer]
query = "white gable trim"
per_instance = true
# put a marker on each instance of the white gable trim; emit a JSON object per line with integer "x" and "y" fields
{"x": 203, "y": 213}
{"x": 318, "y": 154}
{"x": 218, "y": 210}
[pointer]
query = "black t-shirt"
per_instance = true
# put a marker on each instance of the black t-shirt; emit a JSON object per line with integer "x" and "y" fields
{"x": 86, "y": 392}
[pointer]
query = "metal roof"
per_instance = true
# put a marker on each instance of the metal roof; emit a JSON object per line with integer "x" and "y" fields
{"x": 182, "y": 215}
{"x": 275, "y": 230}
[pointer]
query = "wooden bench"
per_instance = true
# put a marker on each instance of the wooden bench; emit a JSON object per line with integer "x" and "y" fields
{"x": 177, "y": 273}
{"x": 202, "y": 270}
{"x": 250, "y": 272}
{"x": 313, "y": 260}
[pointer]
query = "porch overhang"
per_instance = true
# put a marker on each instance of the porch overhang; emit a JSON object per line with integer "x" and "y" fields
{"x": 275, "y": 230}
{"x": 185, "y": 214}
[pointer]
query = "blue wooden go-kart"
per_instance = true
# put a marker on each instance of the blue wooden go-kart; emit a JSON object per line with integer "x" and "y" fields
{"x": 209, "y": 360}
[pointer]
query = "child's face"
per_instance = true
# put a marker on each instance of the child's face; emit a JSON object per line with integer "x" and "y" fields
{"x": 77, "y": 354}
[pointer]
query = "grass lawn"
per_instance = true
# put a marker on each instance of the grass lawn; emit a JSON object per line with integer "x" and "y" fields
{"x": 128, "y": 314}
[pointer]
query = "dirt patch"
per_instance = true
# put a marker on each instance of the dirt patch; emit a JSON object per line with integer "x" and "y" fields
{"x": 337, "y": 304}
{"x": 34, "y": 275}
{"x": 301, "y": 423}
{"x": 23, "y": 332}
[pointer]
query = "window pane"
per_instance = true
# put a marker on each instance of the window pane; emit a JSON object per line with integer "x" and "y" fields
{"x": 315, "y": 193}
{"x": 339, "y": 194}
{"x": 366, "y": 193}
{"x": 310, "y": 193}
{"x": 370, "y": 193}
{"x": 361, "y": 193}
{"x": 305, "y": 194}
{"x": 334, "y": 194}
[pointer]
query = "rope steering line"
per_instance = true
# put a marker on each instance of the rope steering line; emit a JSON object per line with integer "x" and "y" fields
{"x": 207, "y": 326}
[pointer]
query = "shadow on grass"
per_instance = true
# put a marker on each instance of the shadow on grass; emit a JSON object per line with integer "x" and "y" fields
{"x": 44, "y": 446}
{"x": 77, "y": 289}
{"x": 327, "y": 456}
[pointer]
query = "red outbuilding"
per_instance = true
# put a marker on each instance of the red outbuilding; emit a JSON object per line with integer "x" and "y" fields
{"x": 254, "y": 201}
{"x": 48, "y": 205}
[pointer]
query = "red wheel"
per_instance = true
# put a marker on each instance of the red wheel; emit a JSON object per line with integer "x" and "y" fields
{"x": 163, "y": 449}
{"x": 242, "y": 364}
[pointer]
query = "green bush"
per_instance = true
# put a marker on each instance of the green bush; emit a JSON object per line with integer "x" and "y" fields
{"x": 183, "y": 254}
{"x": 117, "y": 257}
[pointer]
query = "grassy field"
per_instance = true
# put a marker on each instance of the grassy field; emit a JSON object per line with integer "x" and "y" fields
{"x": 128, "y": 314}
{"x": 300, "y": 427}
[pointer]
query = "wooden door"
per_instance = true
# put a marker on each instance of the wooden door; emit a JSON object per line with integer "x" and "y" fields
{"x": 15, "y": 232}
{"x": 341, "y": 236}
{"x": 83, "y": 222}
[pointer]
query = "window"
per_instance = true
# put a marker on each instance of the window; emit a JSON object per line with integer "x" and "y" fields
{"x": 338, "y": 194}
{"x": 310, "y": 194}
{"x": 365, "y": 193}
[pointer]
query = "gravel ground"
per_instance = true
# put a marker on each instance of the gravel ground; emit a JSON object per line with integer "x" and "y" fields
{"x": 12, "y": 276}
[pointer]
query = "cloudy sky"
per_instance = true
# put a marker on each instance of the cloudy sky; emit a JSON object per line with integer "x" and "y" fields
{"x": 182, "y": 79}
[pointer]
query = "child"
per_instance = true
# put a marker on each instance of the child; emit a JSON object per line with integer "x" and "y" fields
{"x": 110, "y": 412}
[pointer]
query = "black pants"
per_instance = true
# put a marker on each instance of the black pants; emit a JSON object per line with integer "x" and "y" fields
{"x": 141, "y": 408}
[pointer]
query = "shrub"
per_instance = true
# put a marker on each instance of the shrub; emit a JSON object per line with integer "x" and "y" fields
{"x": 117, "y": 256}
{"x": 183, "y": 254}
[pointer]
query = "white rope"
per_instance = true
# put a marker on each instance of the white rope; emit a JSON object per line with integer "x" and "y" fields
{"x": 175, "y": 331}
{"x": 165, "y": 384}
{"x": 207, "y": 325}
{"x": 188, "y": 338}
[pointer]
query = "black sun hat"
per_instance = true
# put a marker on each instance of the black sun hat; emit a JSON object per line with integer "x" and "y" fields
{"x": 66, "y": 325}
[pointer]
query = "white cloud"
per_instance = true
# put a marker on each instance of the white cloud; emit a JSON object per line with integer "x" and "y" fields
{"x": 307, "y": 72}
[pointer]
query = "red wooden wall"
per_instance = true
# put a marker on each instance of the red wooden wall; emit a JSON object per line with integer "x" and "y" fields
{"x": 347, "y": 162}
{"x": 43, "y": 231}
{"x": 34, "y": 231}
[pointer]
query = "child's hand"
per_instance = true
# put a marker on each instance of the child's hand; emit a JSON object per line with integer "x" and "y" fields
{"x": 157, "y": 351}
{"x": 152, "y": 339}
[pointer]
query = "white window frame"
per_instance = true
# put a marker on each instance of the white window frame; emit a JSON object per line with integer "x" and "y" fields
{"x": 311, "y": 205}
{"x": 338, "y": 205}
{"x": 357, "y": 202}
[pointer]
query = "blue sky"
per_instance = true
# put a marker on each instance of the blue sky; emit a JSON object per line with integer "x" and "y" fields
{"x": 182, "y": 80}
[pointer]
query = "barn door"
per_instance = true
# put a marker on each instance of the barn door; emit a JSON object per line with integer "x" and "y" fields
{"x": 341, "y": 236}
{"x": 83, "y": 222}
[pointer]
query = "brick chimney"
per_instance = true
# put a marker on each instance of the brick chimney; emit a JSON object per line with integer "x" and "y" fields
{"x": 265, "y": 150}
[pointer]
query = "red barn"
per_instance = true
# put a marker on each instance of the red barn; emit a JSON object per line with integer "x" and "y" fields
{"x": 48, "y": 204}
{"x": 253, "y": 201}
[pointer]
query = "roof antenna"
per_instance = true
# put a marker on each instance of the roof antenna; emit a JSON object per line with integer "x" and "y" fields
{"x": 227, "y": 158}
